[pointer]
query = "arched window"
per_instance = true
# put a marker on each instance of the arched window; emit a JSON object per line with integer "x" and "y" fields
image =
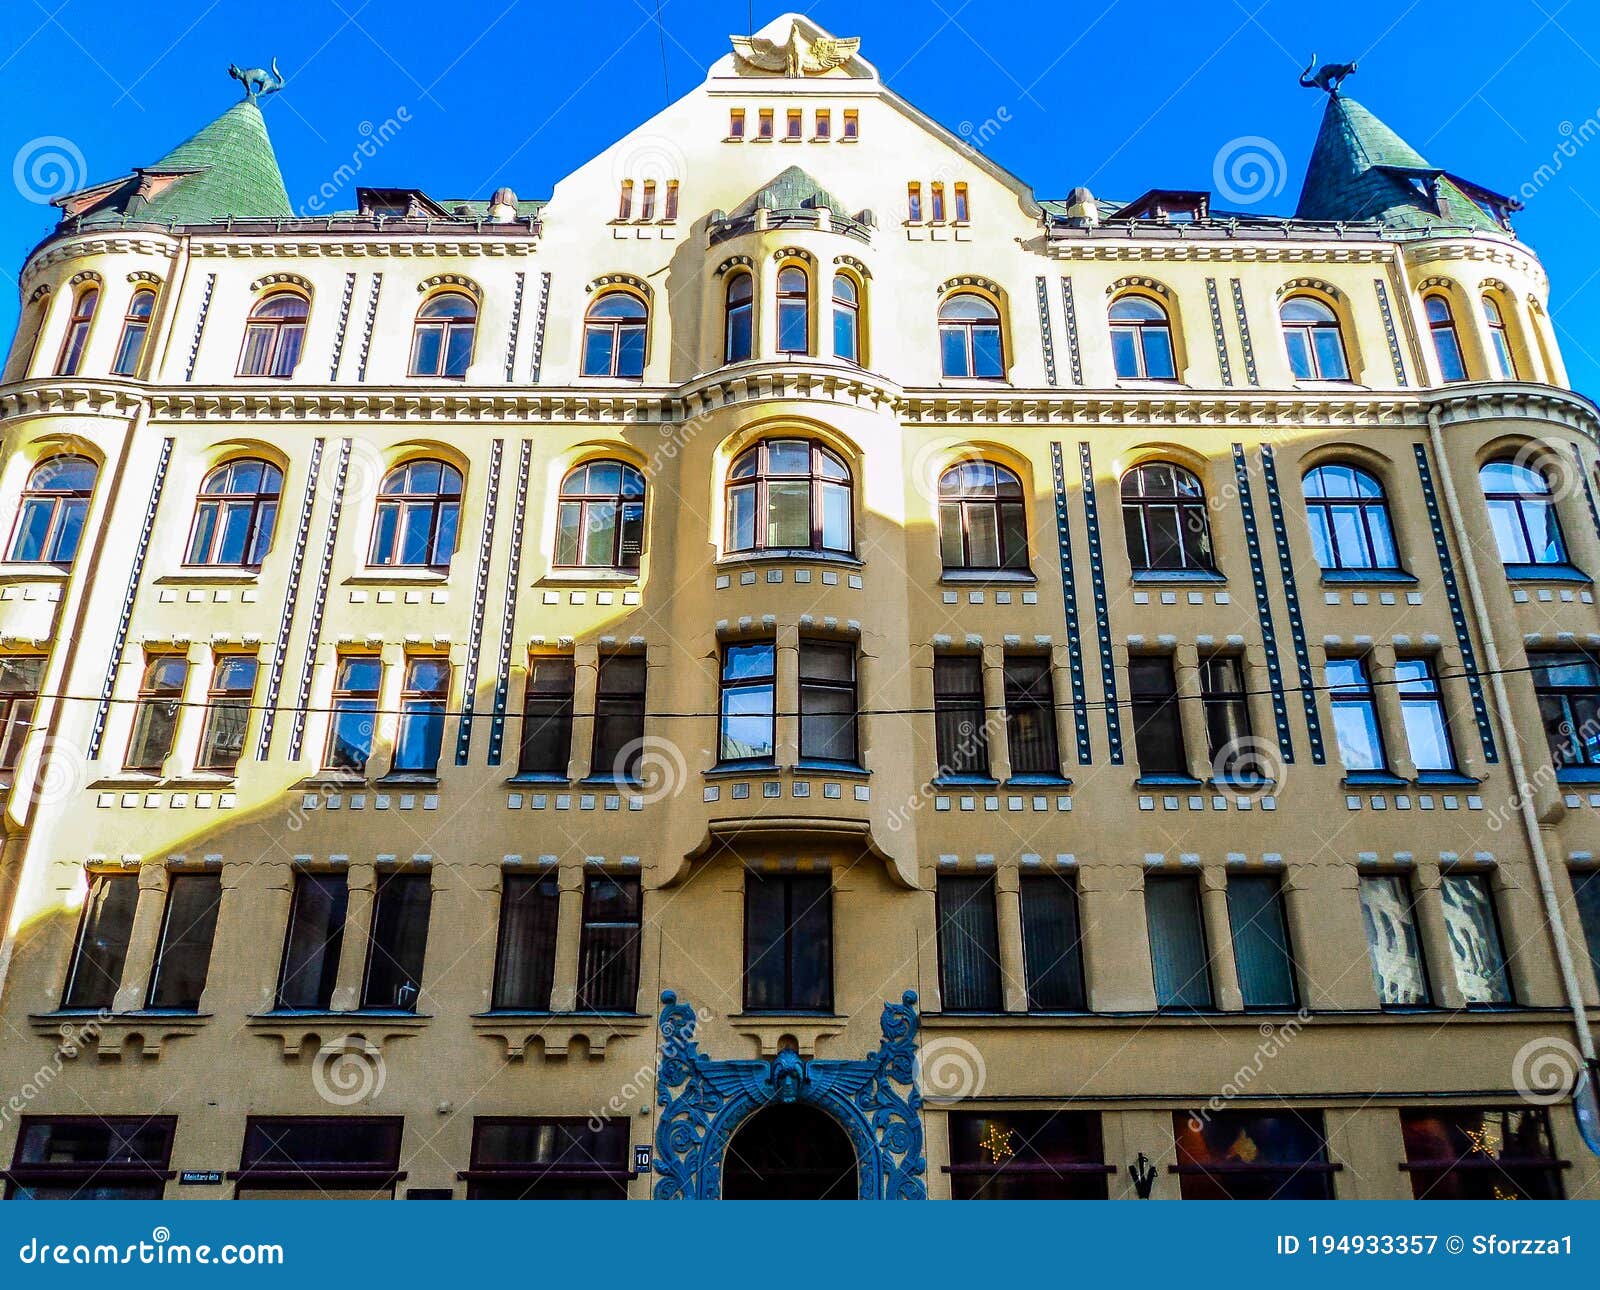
{"x": 794, "y": 310}
{"x": 54, "y": 504}
{"x": 1442, "y": 323}
{"x": 1505, "y": 362}
{"x": 274, "y": 335}
{"x": 1522, "y": 512}
{"x": 969, "y": 337}
{"x": 739, "y": 327}
{"x": 789, "y": 494}
{"x": 982, "y": 518}
{"x": 846, "y": 318}
{"x": 77, "y": 337}
{"x": 1349, "y": 517}
{"x": 418, "y": 508}
{"x": 1164, "y": 518}
{"x": 1311, "y": 332}
{"x": 613, "y": 335}
{"x": 600, "y": 517}
{"x": 1141, "y": 340}
{"x": 135, "y": 330}
{"x": 441, "y": 342}
{"x": 235, "y": 513}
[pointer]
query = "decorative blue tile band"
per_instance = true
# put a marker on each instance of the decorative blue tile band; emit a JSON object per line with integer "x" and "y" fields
{"x": 1291, "y": 596}
{"x": 297, "y": 564}
{"x": 508, "y": 619}
{"x": 1588, "y": 489}
{"x": 1269, "y": 634}
{"x": 1390, "y": 334}
{"x": 704, "y": 1102}
{"x": 135, "y": 575}
{"x": 1102, "y": 611}
{"x": 516, "y": 326}
{"x": 1046, "y": 338}
{"x": 1217, "y": 333}
{"x": 366, "y": 329}
{"x": 480, "y": 600}
{"x": 1069, "y": 315}
{"x": 1250, "y": 372}
{"x": 539, "y": 318}
{"x": 1069, "y": 595}
{"x": 200, "y": 326}
{"x": 343, "y": 324}
{"x": 319, "y": 603}
{"x": 1458, "y": 613}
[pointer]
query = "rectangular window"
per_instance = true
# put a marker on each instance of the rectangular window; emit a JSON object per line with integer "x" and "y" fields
{"x": 852, "y": 123}
{"x": 1476, "y": 945}
{"x": 1052, "y": 944}
{"x": 1586, "y": 891}
{"x": 828, "y": 702}
{"x": 183, "y": 955}
{"x": 1252, "y": 1155}
{"x": 914, "y": 203}
{"x": 748, "y": 703}
{"x": 619, "y": 717}
{"x": 625, "y": 200}
{"x": 1355, "y": 715}
{"x": 1229, "y": 745}
{"x": 969, "y": 944}
{"x": 312, "y": 943}
{"x": 736, "y": 123}
{"x": 1422, "y": 707}
{"x": 323, "y": 1154}
{"x": 571, "y": 1158}
{"x": 399, "y": 941}
{"x": 233, "y": 685}
{"x": 936, "y": 202}
{"x": 423, "y": 701}
{"x": 21, "y": 678}
{"x": 1261, "y": 941}
{"x": 102, "y": 945}
{"x": 647, "y": 208}
{"x": 1179, "y": 960}
{"x": 958, "y": 715}
{"x": 155, "y": 719}
{"x": 764, "y": 123}
{"x": 1389, "y": 914}
{"x": 355, "y": 713}
{"x": 547, "y": 717}
{"x": 1461, "y": 1153}
{"x": 671, "y": 212}
{"x": 1031, "y": 716}
{"x": 1027, "y": 1155}
{"x": 824, "y": 124}
{"x": 793, "y": 124}
{"x": 91, "y": 1157}
{"x": 525, "y": 963}
{"x": 788, "y": 942}
{"x": 1568, "y": 690}
{"x": 608, "y": 949}
{"x": 962, "y": 215}
{"x": 1157, "y": 724}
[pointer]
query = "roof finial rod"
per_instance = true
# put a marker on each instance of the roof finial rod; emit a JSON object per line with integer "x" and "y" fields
{"x": 1328, "y": 77}
{"x": 258, "y": 82}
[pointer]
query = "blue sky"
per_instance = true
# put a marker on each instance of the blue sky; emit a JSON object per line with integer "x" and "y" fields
{"x": 1121, "y": 95}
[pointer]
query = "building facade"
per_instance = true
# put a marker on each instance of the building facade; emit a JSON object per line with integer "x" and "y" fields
{"x": 796, "y": 667}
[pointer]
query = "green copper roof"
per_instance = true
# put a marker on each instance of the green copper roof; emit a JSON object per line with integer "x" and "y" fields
{"x": 1361, "y": 169}
{"x": 233, "y": 172}
{"x": 792, "y": 190}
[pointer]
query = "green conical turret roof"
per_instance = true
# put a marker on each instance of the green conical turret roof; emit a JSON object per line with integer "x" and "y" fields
{"x": 1361, "y": 169}
{"x": 791, "y": 190}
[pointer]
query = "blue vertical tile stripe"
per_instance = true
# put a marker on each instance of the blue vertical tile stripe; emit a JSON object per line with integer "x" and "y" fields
{"x": 291, "y": 596}
{"x": 1246, "y": 347}
{"x": 1588, "y": 488}
{"x": 1102, "y": 611}
{"x": 345, "y": 300}
{"x": 1458, "y": 613}
{"x": 319, "y": 603}
{"x": 1291, "y": 598}
{"x": 1389, "y": 332}
{"x": 539, "y": 317}
{"x": 200, "y": 326}
{"x": 1069, "y": 316}
{"x": 1215, "y": 304}
{"x": 1046, "y": 336}
{"x": 480, "y": 600}
{"x": 1069, "y": 595}
{"x": 516, "y": 327}
{"x": 119, "y": 641}
{"x": 508, "y": 618}
{"x": 1269, "y": 633}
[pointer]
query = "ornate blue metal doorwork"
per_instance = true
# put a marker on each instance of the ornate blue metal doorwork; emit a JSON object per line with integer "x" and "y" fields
{"x": 705, "y": 1101}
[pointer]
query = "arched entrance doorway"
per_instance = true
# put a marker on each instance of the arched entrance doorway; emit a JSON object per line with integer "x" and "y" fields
{"x": 789, "y": 1151}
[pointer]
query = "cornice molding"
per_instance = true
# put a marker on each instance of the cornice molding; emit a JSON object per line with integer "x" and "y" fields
{"x": 1221, "y": 252}
{"x": 1508, "y": 255}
